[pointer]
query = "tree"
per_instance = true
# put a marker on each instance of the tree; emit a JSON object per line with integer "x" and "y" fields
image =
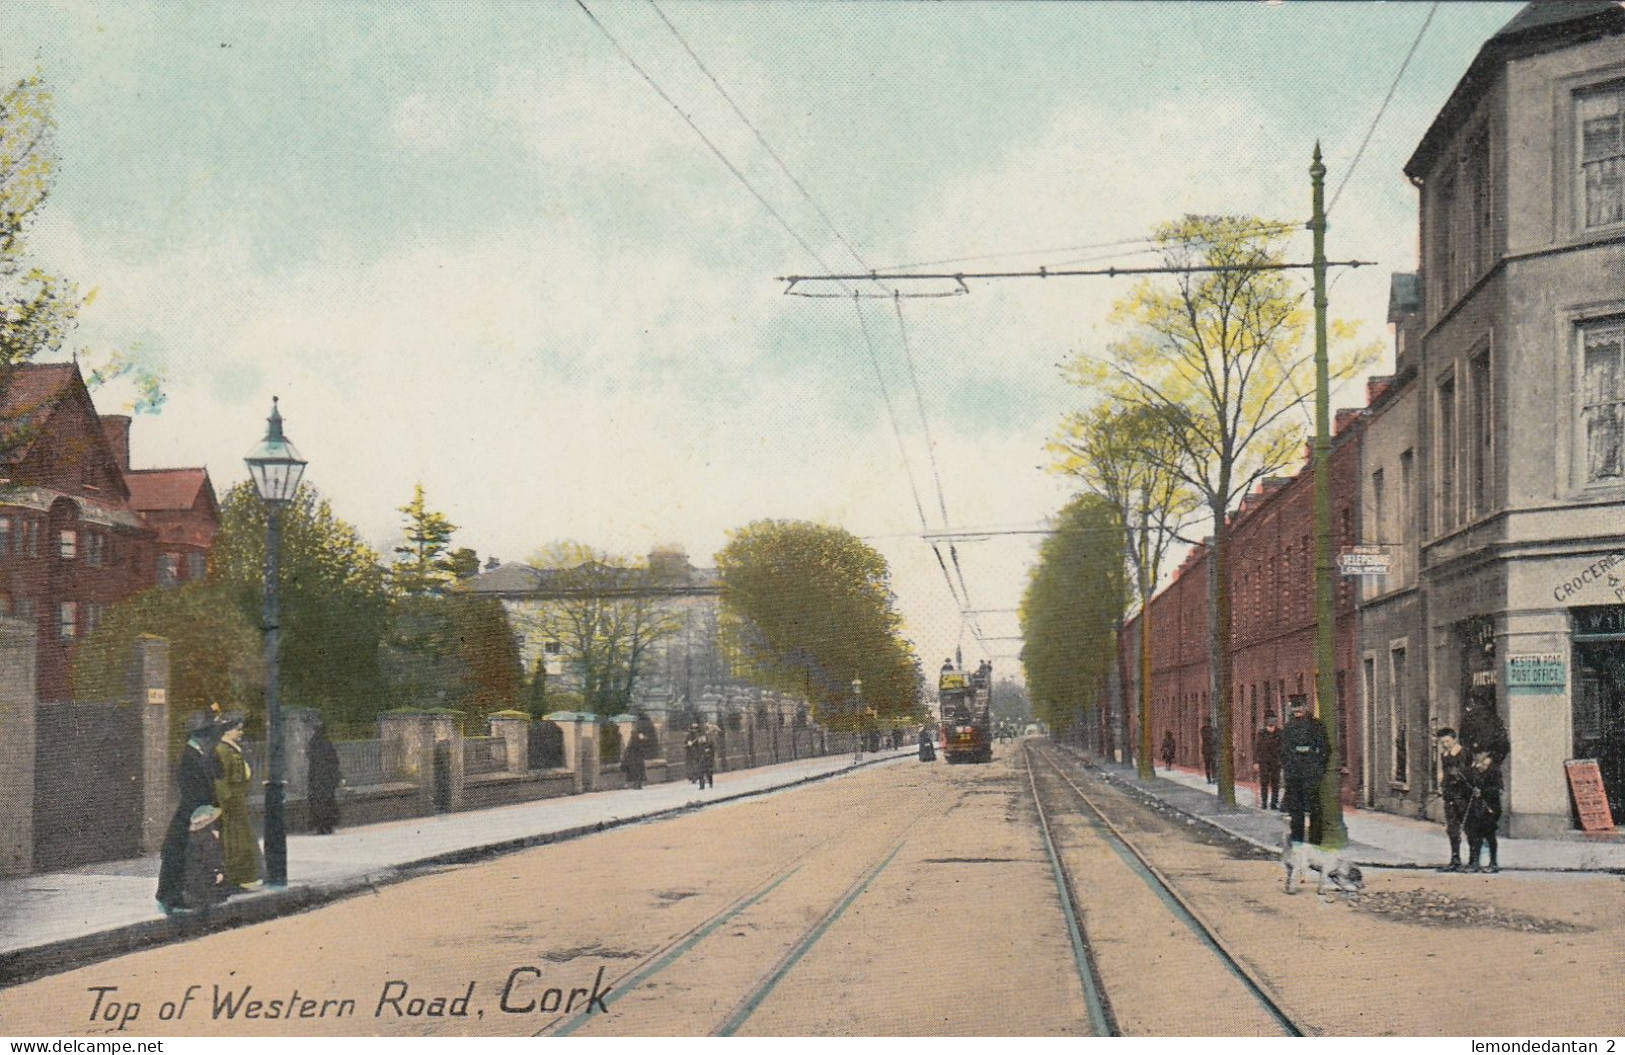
{"x": 1219, "y": 355}
{"x": 607, "y": 614}
{"x": 1069, "y": 613}
{"x": 334, "y": 602}
{"x": 808, "y": 608}
{"x": 1126, "y": 455}
{"x": 214, "y": 652}
{"x": 424, "y": 564}
{"x": 452, "y": 650}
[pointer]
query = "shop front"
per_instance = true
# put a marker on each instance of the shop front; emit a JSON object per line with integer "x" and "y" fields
{"x": 1599, "y": 694}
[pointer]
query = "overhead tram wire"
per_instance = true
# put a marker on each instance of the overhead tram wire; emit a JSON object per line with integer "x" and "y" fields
{"x": 856, "y": 295}
{"x": 1433, "y": 10}
{"x": 791, "y": 231}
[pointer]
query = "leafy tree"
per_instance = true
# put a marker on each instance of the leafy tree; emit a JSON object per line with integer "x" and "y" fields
{"x": 334, "y": 603}
{"x": 1219, "y": 355}
{"x": 1126, "y": 455}
{"x": 452, "y": 650}
{"x": 424, "y": 564}
{"x": 1070, "y": 611}
{"x": 807, "y": 608}
{"x": 536, "y": 703}
{"x": 214, "y": 652}
{"x": 465, "y": 563}
{"x": 607, "y": 613}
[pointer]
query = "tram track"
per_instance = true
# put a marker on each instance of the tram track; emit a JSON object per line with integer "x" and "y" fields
{"x": 1175, "y": 905}
{"x": 694, "y": 940}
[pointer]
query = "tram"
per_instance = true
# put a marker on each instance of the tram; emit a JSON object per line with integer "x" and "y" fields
{"x": 966, "y": 719}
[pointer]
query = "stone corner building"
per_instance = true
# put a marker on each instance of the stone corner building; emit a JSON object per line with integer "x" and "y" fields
{"x": 1493, "y": 463}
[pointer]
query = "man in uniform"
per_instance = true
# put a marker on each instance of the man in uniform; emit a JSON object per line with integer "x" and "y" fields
{"x": 1305, "y": 750}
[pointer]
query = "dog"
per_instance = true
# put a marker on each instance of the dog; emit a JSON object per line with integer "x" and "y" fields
{"x": 1334, "y": 871}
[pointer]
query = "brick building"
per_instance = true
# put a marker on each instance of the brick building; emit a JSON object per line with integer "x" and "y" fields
{"x": 1272, "y": 620}
{"x": 79, "y": 531}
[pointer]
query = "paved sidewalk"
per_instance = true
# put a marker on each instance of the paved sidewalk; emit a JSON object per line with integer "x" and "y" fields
{"x": 60, "y": 920}
{"x": 1376, "y": 839}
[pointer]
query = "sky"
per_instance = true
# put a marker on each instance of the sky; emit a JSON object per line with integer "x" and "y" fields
{"x": 528, "y": 254}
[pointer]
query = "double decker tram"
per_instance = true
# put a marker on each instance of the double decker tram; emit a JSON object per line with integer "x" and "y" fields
{"x": 965, "y": 718}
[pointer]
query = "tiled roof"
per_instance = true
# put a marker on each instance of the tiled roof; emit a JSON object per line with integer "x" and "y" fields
{"x": 28, "y": 398}
{"x": 153, "y": 490}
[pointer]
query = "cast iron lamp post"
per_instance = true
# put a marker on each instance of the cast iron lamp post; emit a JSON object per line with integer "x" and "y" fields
{"x": 857, "y": 720}
{"x": 276, "y": 468}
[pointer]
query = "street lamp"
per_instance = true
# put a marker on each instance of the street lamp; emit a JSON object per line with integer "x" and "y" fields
{"x": 857, "y": 717}
{"x": 276, "y": 468}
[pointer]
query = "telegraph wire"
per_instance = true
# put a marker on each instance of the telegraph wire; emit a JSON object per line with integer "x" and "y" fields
{"x": 847, "y": 245}
{"x": 1433, "y": 10}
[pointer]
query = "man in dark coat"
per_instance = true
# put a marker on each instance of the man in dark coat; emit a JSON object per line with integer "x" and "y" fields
{"x": 195, "y": 779}
{"x": 1454, "y": 789}
{"x": 1304, "y": 750}
{"x": 1267, "y": 763}
{"x": 322, "y": 789}
{"x": 1481, "y": 728}
{"x": 1169, "y": 749}
{"x": 1210, "y": 753}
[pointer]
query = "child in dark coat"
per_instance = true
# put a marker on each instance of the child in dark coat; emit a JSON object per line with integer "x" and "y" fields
{"x": 1483, "y": 810}
{"x": 205, "y": 860}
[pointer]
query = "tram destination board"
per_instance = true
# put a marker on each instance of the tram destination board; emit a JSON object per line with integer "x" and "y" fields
{"x": 1590, "y": 800}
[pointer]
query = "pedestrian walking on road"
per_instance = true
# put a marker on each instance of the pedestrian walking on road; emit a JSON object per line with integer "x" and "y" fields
{"x": 322, "y": 782}
{"x": 1455, "y": 789}
{"x": 194, "y": 777}
{"x": 1210, "y": 753}
{"x": 1267, "y": 763}
{"x": 928, "y": 749}
{"x": 1169, "y": 749}
{"x": 237, "y": 842}
{"x": 1483, "y": 811}
{"x": 1304, "y": 753}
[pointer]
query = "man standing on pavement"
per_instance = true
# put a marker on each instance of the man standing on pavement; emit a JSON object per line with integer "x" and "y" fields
{"x": 1455, "y": 789}
{"x": 1304, "y": 749}
{"x": 1210, "y": 752}
{"x": 1267, "y": 763}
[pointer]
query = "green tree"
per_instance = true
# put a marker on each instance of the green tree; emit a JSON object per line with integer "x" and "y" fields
{"x": 1219, "y": 355}
{"x": 1070, "y": 611}
{"x": 424, "y": 563}
{"x": 214, "y": 652}
{"x": 807, "y": 608}
{"x": 607, "y": 614}
{"x": 334, "y": 602}
{"x": 452, "y": 650}
{"x": 1126, "y": 454}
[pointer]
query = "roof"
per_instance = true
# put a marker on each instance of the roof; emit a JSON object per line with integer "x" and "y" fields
{"x": 27, "y": 398}
{"x": 158, "y": 490}
{"x": 1404, "y": 295}
{"x": 1543, "y": 25}
{"x": 518, "y": 581}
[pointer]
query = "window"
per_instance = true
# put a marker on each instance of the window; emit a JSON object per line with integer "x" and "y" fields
{"x": 1447, "y": 454}
{"x": 93, "y": 617}
{"x": 1444, "y": 212}
{"x": 28, "y": 538}
{"x": 5, "y": 536}
{"x": 26, "y": 609}
{"x": 169, "y": 568}
{"x": 1481, "y": 449}
{"x": 67, "y": 543}
{"x": 1378, "y": 527}
{"x": 1397, "y": 717}
{"x": 1602, "y": 409}
{"x": 195, "y": 567}
{"x": 1600, "y": 121}
{"x": 67, "y": 620}
{"x": 95, "y": 548}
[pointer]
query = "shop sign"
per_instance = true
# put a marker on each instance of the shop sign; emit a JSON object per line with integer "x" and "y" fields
{"x": 1365, "y": 560}
{"x": 1536, "y": 673}
{"x": 1590, "y": 800}
{"x": 1599, "y": 621}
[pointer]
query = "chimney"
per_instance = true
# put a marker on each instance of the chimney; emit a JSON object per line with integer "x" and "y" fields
{"x": 1345, "y": 417}
{"x": 116, "y": 427}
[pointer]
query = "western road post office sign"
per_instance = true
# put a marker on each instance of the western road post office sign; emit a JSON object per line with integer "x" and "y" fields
{"x": 1536, "y": 674}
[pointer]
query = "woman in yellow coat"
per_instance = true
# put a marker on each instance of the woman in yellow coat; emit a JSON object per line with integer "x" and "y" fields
{"x": 241, "y": 851}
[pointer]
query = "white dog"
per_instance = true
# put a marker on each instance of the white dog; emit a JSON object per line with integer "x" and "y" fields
{"x": 1335, "y": 872}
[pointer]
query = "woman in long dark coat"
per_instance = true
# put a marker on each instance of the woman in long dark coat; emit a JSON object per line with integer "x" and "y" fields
{"x": 195, "y": 779}
{"x": 322, "y": 790}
